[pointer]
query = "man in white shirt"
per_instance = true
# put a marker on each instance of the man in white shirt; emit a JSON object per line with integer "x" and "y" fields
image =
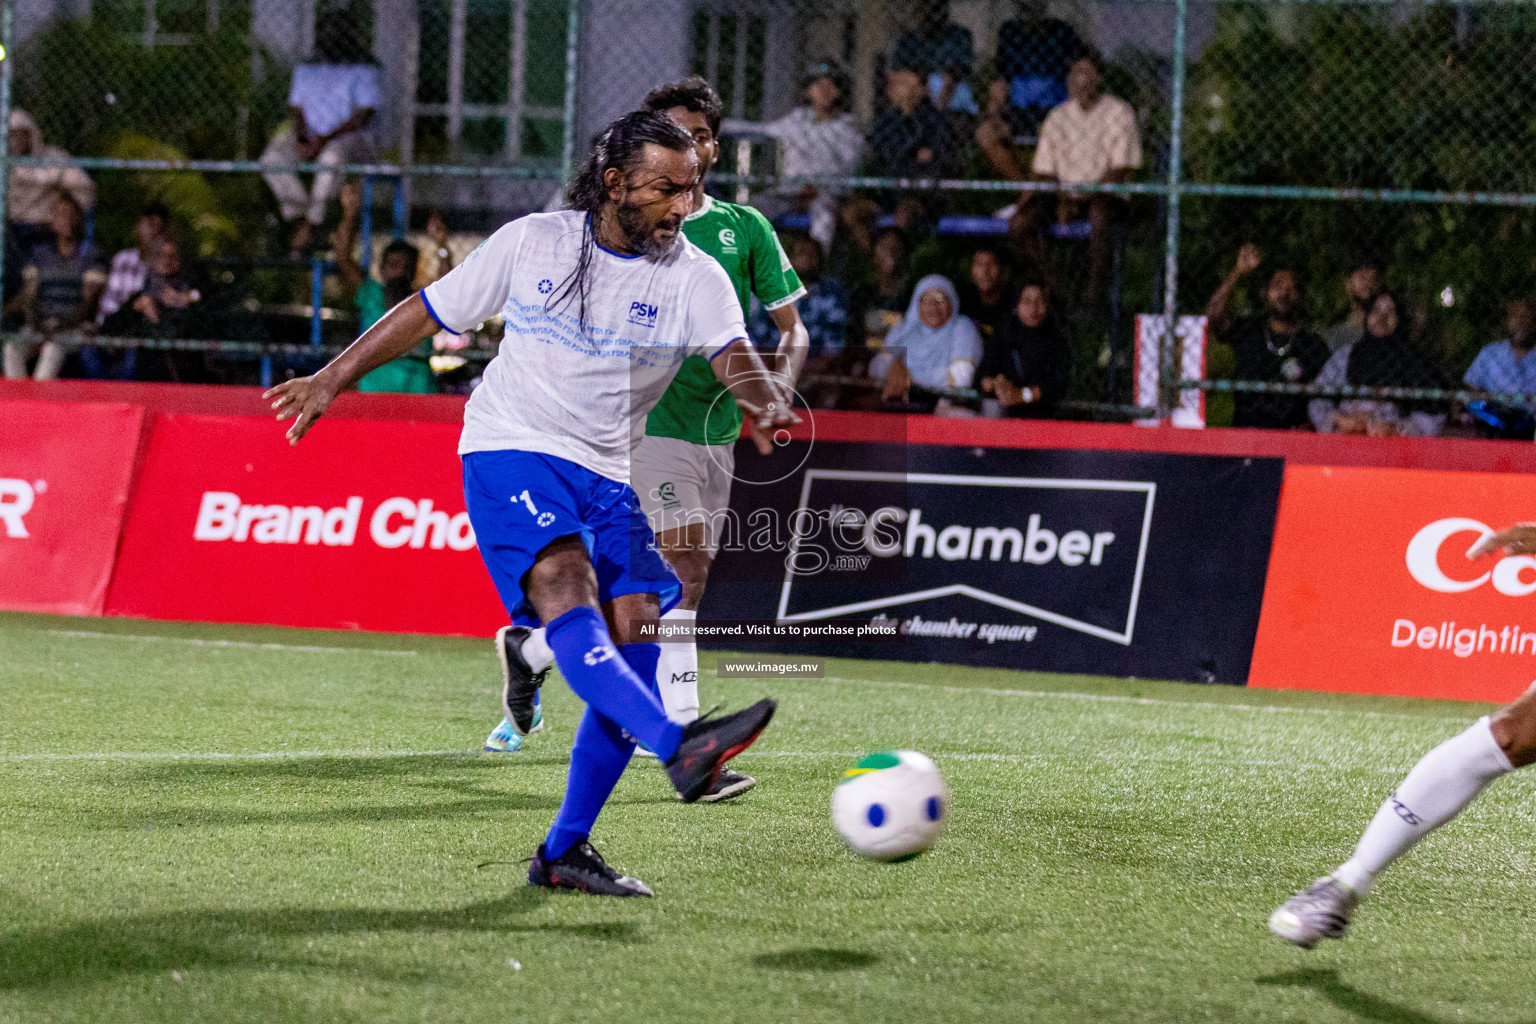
{"x": 602, "y": 302}
{"x": 819, "y": 139}
{"x": 1090, "y": 139}
{"x": 331, "y": 103}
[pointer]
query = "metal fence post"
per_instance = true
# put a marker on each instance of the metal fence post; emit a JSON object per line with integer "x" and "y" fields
{"x": 7, "y": 25}
{"x": 1167, "y": 393}
{"x": 572, "y": 53}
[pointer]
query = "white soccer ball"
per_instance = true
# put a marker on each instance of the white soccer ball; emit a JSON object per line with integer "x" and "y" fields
{"x": 891, "y": 806}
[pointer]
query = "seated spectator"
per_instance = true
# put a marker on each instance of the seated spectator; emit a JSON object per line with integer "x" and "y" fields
{"x": 1091, "y": 138}
{"x": 125, "y": 279}
{"x": 330, "y": 105}
{"x": 1271, "y": 345}
{"x": 911, "y": 139}
{"x": 934, "y": 348}
{"x": 1508, "y": 366}
{"x": 998, "y": 130}
{"x": 1361, "y": 287}
{"x": 412, "y": 372}
{"x": 987, "y": 300}
{"x": 1033, "y": 54}
{"x": 1024, "y": 364}
{"x": 881, "y": 297}
{"x": 942, "y": 53}
{"x": 823, "y": 309}
{"x": 819, "y": 138}
{"x": 61, "y": 286}
{"x": 1382, "y": 357}
{"x": 31, "y": 191}
{"x": 170, "y": 305}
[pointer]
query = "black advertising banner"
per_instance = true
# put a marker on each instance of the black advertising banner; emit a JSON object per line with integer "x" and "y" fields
{"x": 1104, "y": 562}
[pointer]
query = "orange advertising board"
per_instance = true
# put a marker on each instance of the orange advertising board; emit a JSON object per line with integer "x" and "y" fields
{"x": 1370, "y": 589}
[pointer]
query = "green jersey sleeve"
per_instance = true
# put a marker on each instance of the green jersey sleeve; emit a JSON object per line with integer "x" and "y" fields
{"x": 774, "y": 281}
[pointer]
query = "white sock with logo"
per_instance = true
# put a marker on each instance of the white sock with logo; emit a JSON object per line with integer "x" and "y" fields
{"x": 1448, "y": 779}
{"x": 536, "y": 651}
{"x": 677, "y": 674}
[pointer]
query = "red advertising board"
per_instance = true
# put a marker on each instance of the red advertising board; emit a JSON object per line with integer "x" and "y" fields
{"x": 1370, "y": 589}
{"x": 362, "y": 526}
{"x": 65, "y": 473}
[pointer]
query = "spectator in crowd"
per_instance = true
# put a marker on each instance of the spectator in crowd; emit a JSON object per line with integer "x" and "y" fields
{"x": 61, "y": 286}
{"x": 1089, "y": 139}
{"x": 1024, "y": 363}
{"x": 987, "y": 299}
{"x": 1383, "y": 357}
{"x": 1271, "y": 345}
{"x": 1033, "y": 54}
{"x": 31, "y": 191}
{"x": 911, "y": 139}
{"x": 331, "y": 103}
{"x": 881, "y": 298}
{"x": 373, "y": 297}
{"x": 125, "y": 279}
{"x": 1000, "y": 126}
{"x": 170, "y": 305}
{"x": 825, "y": 312}
{"x": 1364, "y": 283}
{"x": 819, "y": 138}
{"x": 1509, "y": 365}
{"x": 942, "y": 53}
{"x": 934, "y": 348}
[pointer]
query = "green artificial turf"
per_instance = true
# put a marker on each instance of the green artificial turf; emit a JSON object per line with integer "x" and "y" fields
{"x": 201, "y": 827}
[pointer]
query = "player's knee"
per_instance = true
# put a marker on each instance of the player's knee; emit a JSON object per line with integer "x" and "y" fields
{"x": 1514, "y": 729}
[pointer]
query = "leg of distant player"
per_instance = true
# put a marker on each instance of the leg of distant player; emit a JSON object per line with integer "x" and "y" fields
{"x": 1438, "y": 788}
{"x": 687, "y": 548}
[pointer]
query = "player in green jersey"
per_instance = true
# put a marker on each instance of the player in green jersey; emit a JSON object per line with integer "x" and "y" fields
{"x": 683, "y": 466}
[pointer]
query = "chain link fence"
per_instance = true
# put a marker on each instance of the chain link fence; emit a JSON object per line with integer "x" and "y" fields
{"x": 1370, "y": 156}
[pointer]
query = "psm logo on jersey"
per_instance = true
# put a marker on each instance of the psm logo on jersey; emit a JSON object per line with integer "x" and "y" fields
{"x": 546, "y": 286}
{"x": 728, "y": 239}
{"x": 598, "y": 655}
{"x": 642, "y": 313}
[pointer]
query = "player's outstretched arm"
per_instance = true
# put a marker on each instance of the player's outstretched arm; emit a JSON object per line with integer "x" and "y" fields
{"x": 766, "y": 406}
{"x": 1519, "y": 539}
{"x": 794, "y": 344}
{"x": 305, "y": 399}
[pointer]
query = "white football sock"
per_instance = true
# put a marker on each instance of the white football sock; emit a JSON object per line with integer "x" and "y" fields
{"x": 536, "y": 651}
{"x": 677, "y": 674}
{"x": 1448, "y": 779}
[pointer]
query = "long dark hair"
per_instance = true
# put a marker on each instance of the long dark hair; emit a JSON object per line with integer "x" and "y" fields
{"x": 619, "y": 146}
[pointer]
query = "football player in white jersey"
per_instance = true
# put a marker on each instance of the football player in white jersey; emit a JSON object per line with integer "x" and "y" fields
{"x": 602, "y": 302}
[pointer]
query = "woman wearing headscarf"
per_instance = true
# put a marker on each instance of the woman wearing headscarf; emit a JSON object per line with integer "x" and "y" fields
{"x": 934, "y": 348}
{"x": 1383, "y": 357}
{"x": 1023, "y": 363}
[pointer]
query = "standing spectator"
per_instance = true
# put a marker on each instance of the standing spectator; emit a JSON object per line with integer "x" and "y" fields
{"x": 1382, "y": 357}
{"x": 987, "y": 299}
{"x": 819, "y": 138}
{"x": 330, "y": 106}
{"x": 1362, "y": 286}
{"x": 1509, "y": 365}
{"x": 30, "y": 194}
{"x": 942, "y": 53}
{"x": 412, "y": 372}
{"x": 911, "y": 139}
{"x": 1091, "y": 138}
{"x": 1271, "y": 345}
{"x": 61, "y": 286}
{"x": 934, "y": 348}
{"x": 1034, "y": 53}
{"x": 126, "y": 277}
{"x": 1024, "y": 363}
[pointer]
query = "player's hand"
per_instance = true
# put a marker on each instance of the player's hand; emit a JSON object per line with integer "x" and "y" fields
{"x": 764, "y": 423}
{"x": 1519, "y": 539}
{"x": 303, "y": 400}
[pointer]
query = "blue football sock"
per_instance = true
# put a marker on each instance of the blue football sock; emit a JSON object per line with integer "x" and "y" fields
{"x": 603, "y": 677}
{"x": 598, "y": 758}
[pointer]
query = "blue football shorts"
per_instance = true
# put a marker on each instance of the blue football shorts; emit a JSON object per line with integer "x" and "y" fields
{"x": 520, "y": 502}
